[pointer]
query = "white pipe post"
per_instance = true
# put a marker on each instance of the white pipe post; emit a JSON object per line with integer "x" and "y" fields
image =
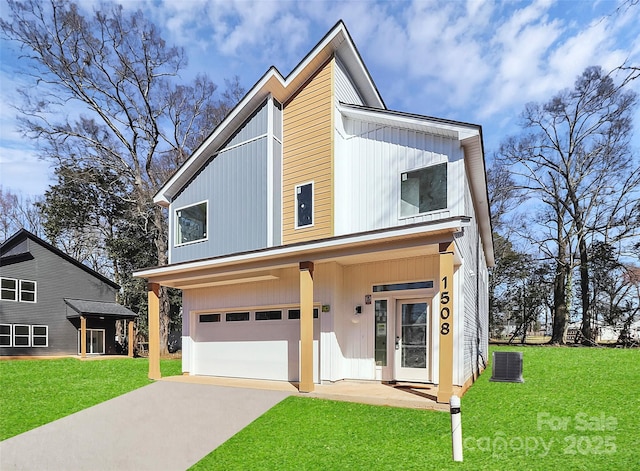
{"x": 456, "y": 427}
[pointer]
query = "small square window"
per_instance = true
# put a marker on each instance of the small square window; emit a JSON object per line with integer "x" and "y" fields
{"x": 191, "y": 223}
{"x": 423, "y": 190}
{"x": 21, "y": 336}
{"x": 237, "y": 316}
{"x": 27, "y": 291}
{"x": 8, "y": 289}
{"x": 40, "y": 335}
{"x": 304, "y": 205}
{"x": 5, "y": 335}
{"x": 268, "y": 315}
{"x": 209, "y": 317}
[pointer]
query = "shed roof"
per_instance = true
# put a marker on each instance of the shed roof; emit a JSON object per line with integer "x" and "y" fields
{"x": 112, "y": 310}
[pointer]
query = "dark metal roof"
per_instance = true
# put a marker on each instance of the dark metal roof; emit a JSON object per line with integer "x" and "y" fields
{"x": 98, "y": 308}
{"x": 14, "y": 250}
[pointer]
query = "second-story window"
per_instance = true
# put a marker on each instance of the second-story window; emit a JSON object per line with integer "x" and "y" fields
{"x": 423, "y": 190}
{"x": 304, "y": 205}
{"x": 27, "y": 291}
{"x": 191, "y": 223}
{"x": 9, "y": 289}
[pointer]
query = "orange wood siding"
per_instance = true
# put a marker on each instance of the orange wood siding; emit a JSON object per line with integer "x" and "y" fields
{"x": 308, "y": 155}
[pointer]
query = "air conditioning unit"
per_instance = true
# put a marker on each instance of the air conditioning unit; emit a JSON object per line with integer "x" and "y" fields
{"x": 507, "y": 367}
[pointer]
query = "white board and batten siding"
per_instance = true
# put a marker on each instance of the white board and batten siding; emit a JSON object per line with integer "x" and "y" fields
{"x": 344, "y": 90}
{"x": 473, "y": 341}
{"x": 370, "y": 159}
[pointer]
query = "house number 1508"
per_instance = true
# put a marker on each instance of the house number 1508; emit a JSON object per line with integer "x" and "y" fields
{"x": 445, "y": 312}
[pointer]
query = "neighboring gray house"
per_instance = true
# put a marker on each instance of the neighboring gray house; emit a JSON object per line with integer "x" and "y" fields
{"x": 49, "y": 301}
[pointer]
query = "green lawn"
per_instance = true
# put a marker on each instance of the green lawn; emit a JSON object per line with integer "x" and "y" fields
{"x": 578, "y": 409}
{"x": 35, "y": 392}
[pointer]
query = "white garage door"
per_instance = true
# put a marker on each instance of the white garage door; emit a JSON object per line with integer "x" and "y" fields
{"x": 261, "y": 344}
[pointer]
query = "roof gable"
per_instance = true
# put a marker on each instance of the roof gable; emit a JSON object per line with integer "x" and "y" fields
{"x": 336, "y": 42}
{"x": 16, "y": 249}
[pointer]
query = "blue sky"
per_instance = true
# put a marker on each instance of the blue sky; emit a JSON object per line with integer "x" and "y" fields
{"x": 474, "y": 61}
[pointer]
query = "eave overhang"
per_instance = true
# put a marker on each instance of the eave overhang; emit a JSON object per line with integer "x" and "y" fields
{"x": 399, "y": 242}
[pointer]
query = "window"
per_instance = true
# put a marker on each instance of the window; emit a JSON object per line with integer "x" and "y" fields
{"x": 381, "y": 332}
{"x": 304, "y": 205}
{"x": 402, "y": 286}
{"x": 237, "y": 316}
{"x": 191, "y": 223}
{"x": 9, "y": 289}
{"x": 40, "y": 335}
{"x": 5, "y": 335}
{"x": 295, "y": 313}
{"x": 27, "y": 291}
{"x": 423, "y": 190}
{"x": 21, "y": 336}
{"x": 209, "y": 317}
{"x": 268, "y": 315}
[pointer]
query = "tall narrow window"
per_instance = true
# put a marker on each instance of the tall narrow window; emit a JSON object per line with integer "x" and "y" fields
{"x": 423, "y": 190}
{"x": 304, "y": 205}
{"x": 381, "y": 332}
{"x": 191, "y": 223}
{"x": 9, "y": 289}
{"x": 27, "y": 291}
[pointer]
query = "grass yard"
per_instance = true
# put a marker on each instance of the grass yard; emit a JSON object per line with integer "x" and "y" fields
{"x": 35, "y": 392}
{"x": 577, "y": 410}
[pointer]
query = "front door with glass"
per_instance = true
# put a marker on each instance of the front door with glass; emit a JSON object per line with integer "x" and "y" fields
{"x": 411, "y": 341}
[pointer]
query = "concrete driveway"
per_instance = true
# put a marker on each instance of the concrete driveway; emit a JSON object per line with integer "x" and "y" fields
{"x": 163, "y": 426}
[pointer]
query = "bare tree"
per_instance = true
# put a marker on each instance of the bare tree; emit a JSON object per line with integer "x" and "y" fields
{"x": 104, "y": 96}
{"x": 17, "y": 212}
{"x": 574, "y": 155}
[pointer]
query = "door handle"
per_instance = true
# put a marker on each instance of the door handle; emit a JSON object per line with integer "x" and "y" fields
{"x": 397, "y": 343}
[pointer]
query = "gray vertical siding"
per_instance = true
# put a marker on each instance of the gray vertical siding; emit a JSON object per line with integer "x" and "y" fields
{"x": 234, "y": 183}
{"x": 277, "y": 193}
{"x": 56, "y": 279}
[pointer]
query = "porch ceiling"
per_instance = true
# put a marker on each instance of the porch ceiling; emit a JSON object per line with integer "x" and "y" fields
{"x": 266, "y": 264}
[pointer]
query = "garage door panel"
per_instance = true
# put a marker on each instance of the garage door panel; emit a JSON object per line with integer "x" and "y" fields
{"x": 253, "y": 349}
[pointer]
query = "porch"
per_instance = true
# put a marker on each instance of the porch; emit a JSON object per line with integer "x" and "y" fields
{"x": 405, "y": 395}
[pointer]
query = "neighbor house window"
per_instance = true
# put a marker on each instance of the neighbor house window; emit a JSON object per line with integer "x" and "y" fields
{"x": 27, "y": 291}
{"x": 304, "y": 205}
{"x": 5, "y": 335}
{"x": 191, "y": 223}
{"x": 423, "y": 190}
{"x": 21, "y": 336}
{"x": 9, "y": 291}
{"x": 40, "y": 335}
{"x": 209, "y": 317}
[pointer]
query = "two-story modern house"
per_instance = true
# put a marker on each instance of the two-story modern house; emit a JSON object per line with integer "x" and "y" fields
{"x": 51, "y": 304}
{"x": 318, "y": 236}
